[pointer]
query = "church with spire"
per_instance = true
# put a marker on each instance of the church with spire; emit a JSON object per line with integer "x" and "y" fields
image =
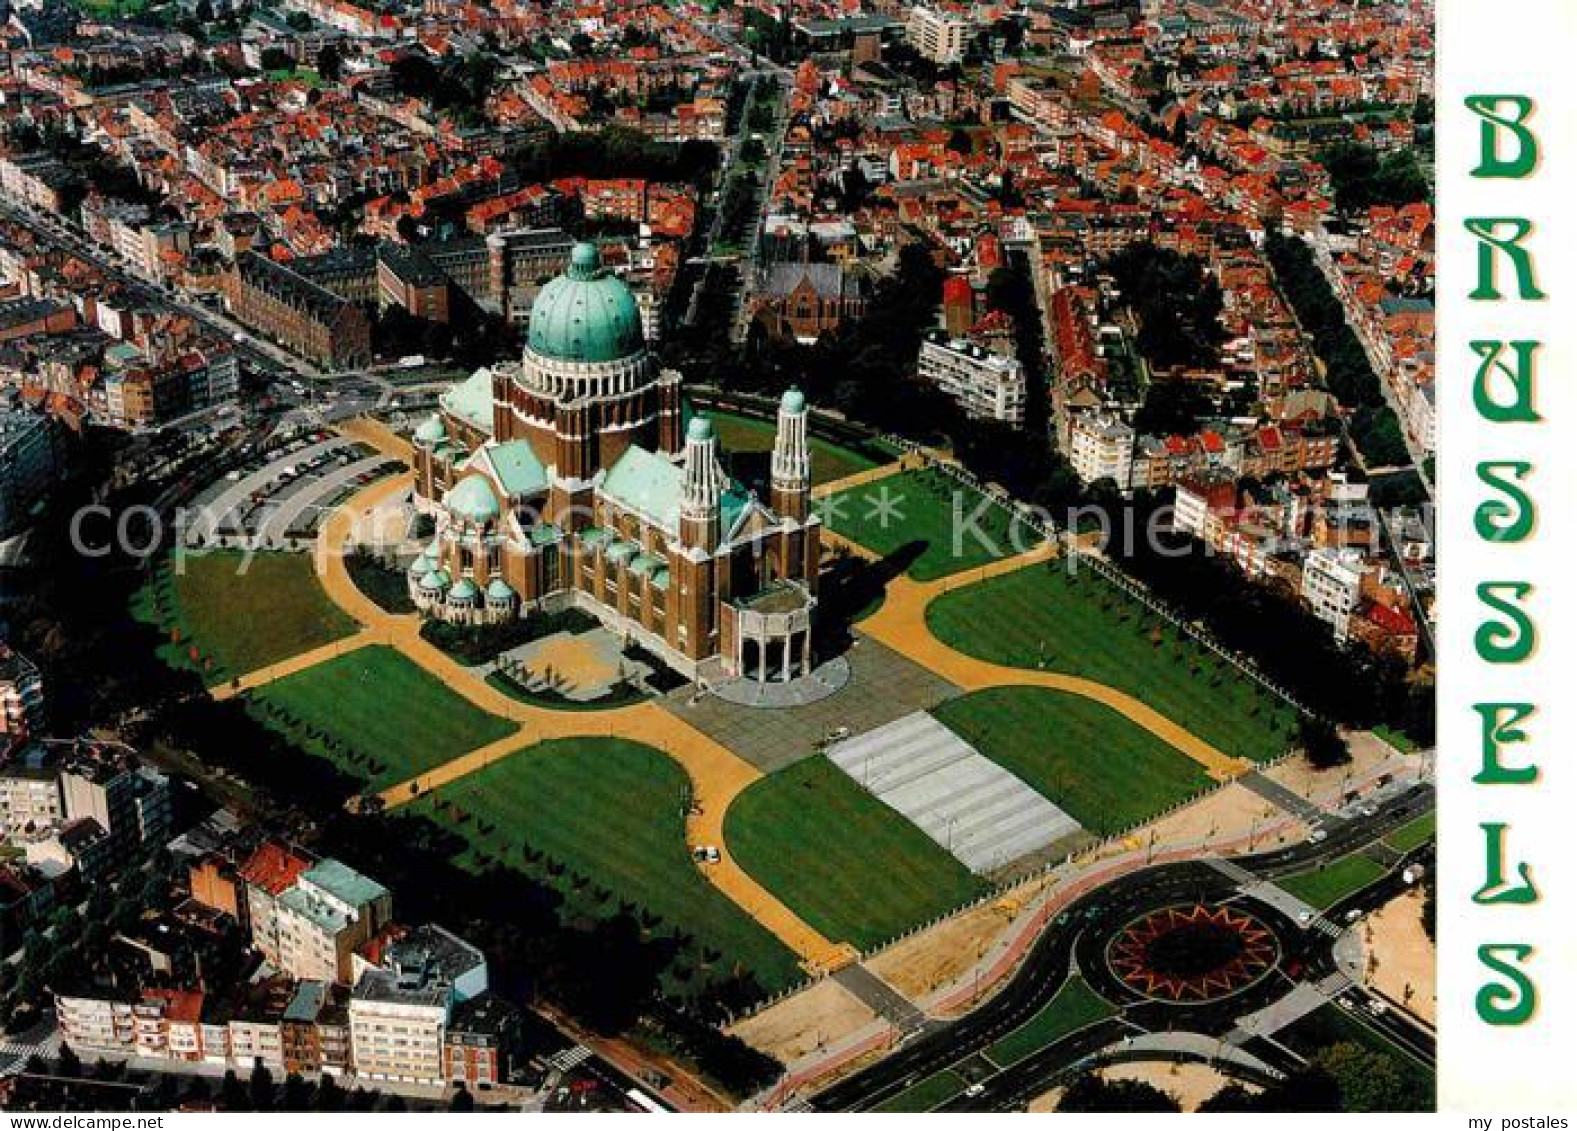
{"x": 576, "y": 477}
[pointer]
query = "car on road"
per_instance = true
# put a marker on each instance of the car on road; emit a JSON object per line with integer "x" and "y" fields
{"x": 1306, "y": 916}
{"x": 974, "y": 1090}
{"x": 1317, "y": 836}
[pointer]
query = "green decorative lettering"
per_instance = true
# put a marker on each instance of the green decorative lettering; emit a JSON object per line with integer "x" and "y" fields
{"x": 1487, "y": 230}
{"x": 1497, "y": 888}
{"x": 1495, "y": 125}
{"x": 1508, "y": 641}
{"x": 1500, "y": 1003}
{"x": 1505, "y": 520}
{"x": 1519, "y": 409}
{"x": 1501, "y": 727}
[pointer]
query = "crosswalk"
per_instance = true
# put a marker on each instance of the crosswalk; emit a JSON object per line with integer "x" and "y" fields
{"x": 566, "y": 1059}
{"x": 1234, "y": 872}
{"x": 1326, "y": 927}
{"x": 14, "y": 1055}
{"x": 1334, "y": 984}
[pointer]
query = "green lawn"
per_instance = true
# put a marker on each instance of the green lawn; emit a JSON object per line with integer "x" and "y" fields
{"x": 927, "y": 1095}
{"x": 850, "y": 866}
{"x": 1413, "y": 834}
{"x": 920, "y": 512}
{"x": 747, "y": 435}
{"x": 224, "y": 615}
{"x": 1102, "y": 770}
{"x": 1334, "y": 882}
{"x": 375, "y": 715}
{"x": 1396, "y": 738}
{"x": 1074, "y": 1007}
{"x": 601, "y": 820}
{"x": 1076, "y": 622}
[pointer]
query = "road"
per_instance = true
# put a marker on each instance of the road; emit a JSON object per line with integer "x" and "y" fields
{"x": 1077, "y": 934}
{"x": 264, "y": 355}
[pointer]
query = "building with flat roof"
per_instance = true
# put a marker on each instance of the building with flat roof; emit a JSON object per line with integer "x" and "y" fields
{"x": 32, "y": 459}
{"x": 937, "y": 35}
{"x": 986, "y": 385}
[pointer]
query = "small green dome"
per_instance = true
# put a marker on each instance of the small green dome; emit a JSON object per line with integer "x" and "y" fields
{"x": 432, "y": 430}
{"x": 700, "y": 428}
{"x": 473, "y": 500}
{"x": 464, "y": 592}
{"x": 433, "y": 582}
{"x": 793, "y": 400}
{"x": 498, "y": 590}
{"x": 586, "y": 314}
{"x": 423, "y": 565}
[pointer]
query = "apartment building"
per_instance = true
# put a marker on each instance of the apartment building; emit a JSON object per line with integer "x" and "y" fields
{"x": 111, "y": 787}
{"x": 987, "y": 386}
{"x": 1332, "y": 586}
{"x": 401, "y": 1008}
{"x": 937, "y": 35}
{"x": 300, "y": 314}
{"x": 1101, "y": 447}
{"x": 30, "y": 800}
{"x": 321, "y": 920}
{"x": 32, "y": 458}
{"x": 21, "y": 697}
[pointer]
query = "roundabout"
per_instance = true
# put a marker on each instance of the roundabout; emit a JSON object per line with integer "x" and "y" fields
{"x": 1194, "y": 954}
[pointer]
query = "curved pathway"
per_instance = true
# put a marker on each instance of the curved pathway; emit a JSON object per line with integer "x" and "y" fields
{"x": 716, "y": 774}
{"x": 900, "y": 624}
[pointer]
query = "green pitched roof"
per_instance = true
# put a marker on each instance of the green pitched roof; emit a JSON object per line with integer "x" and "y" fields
{"x": 647, "y": 484}
{"x": 472, "y": 400}
{"x": 517, "y": 468}
{"x": 585, "y": 314}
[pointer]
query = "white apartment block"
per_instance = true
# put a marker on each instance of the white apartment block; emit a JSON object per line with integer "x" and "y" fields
{"x": 938, "y": 36}
{"x": 321, "y": 920}
{"x": 1332, "y": 581}
{"x": 399, "y": 1035}
{"x": 986, "y": 385}
{"x": 1101, "y": 447}
{"x": 91, "y": 1024}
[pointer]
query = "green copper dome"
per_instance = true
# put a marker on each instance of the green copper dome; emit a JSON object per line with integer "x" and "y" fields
{"x": 498, "y": 590}
{"x": 432, "y": 430}
{"x": 700, "y": 428}
{"x": 586, "y": 314}
{"x": 793, "y": 400}
{"x": 473, "y": 499}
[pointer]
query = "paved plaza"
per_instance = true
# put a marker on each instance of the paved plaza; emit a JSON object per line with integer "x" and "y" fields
{"x": 986, "y": 817}
{"x": 882, "y": 686}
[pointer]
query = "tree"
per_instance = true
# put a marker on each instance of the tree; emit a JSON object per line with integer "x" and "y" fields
{"x": 1093, "y": 1093}
{"x": 297, "y": 1094}
{"x": 260, "y": 1089}
{"x": 1321, "y": 743}
{"x": 462, "y": 1100}
{"x": 1177, "y": 302}
{"x": 67, "y": 1061}
{"x": 1369, "y": 1080}
{"x": 330, "y": 64}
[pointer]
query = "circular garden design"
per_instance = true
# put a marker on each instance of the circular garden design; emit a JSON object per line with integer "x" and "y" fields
{"x": 1193, "y": 953}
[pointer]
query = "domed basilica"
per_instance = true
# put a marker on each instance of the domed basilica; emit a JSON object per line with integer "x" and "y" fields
{"x": 573, "y": 478}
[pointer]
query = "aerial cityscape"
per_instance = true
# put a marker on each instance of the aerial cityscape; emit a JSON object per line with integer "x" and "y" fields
{"x": 717, "y": 555}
